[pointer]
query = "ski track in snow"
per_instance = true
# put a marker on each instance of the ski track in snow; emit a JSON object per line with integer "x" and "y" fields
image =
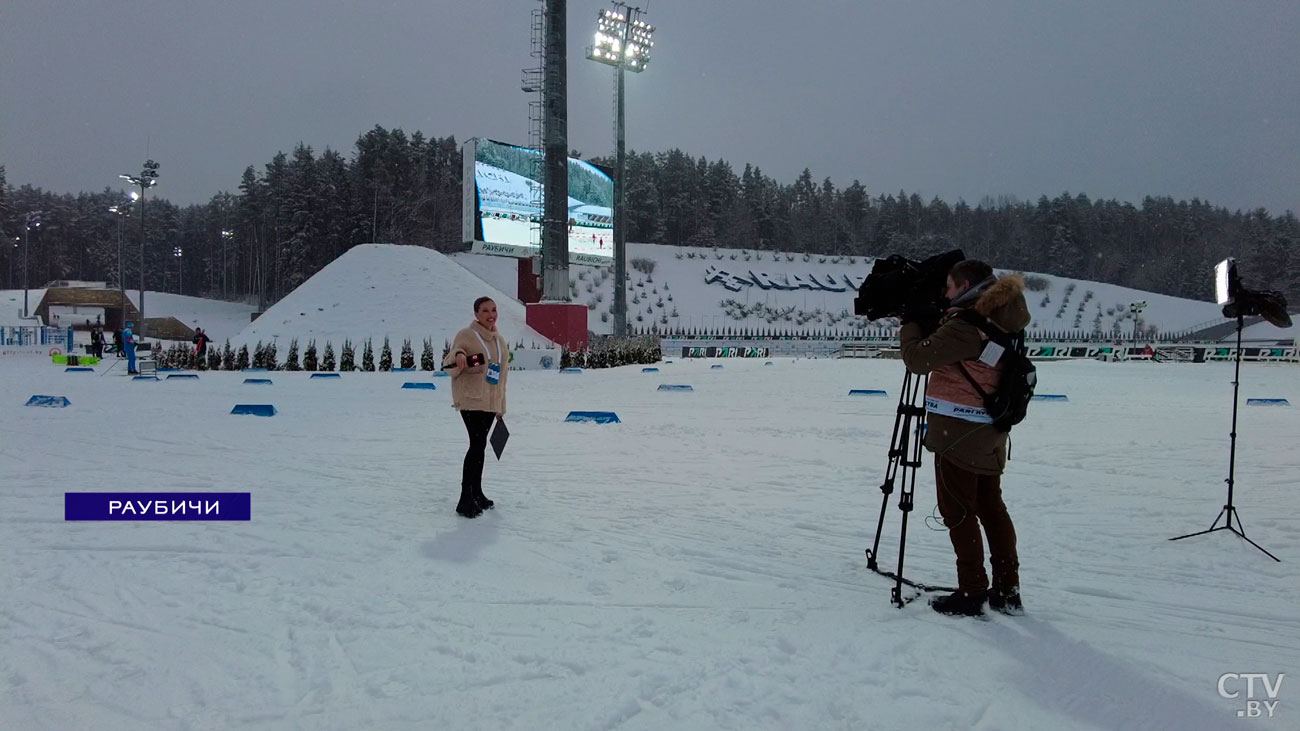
{"x": 699, "y": 566}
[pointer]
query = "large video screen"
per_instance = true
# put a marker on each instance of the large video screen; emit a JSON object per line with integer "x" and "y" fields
{"x": 503, "y": 203}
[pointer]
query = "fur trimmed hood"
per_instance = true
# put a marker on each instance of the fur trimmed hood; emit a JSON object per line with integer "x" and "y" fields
{"x": 1003, "y": 303}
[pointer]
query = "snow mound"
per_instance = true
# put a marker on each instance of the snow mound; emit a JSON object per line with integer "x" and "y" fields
{"x": 386, "y": 290}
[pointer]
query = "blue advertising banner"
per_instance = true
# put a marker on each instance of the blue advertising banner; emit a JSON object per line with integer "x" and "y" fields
{"x": 157, "y": 506}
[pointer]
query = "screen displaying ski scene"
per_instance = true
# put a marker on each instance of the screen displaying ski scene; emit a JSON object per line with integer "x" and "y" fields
{"x": 508, "y": 204}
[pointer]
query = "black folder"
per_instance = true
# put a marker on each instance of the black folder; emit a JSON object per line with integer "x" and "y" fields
{"x": 499, "y": 436}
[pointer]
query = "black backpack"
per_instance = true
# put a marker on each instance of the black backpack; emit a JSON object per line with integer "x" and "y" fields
{"x": 1009, "y": 402}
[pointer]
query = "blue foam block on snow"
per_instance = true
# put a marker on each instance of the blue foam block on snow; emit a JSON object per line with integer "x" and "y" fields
{"x": 254, "y": 370}
{"x": 402, "y": 370}
{"x": 1050, "y": 397}
{"x": 769, "y": 363}
{"x": 253, "y": 410}
{"x": 717, "y": 367}
{"x": 649, "y": 370}
{"x": 571, "y": 370}
{"x": 441, "y": 374}
{"x": 193, "y": 376}
{"x": 866, "y": 392}
{"x": 421, "y": 385}
{"x": 1267, "y": 402}
{"x": 258, "y": 381}
{"x": 78, "y": 369}
{"x": 672, "y": 387}
{"x": 599, "y": 417}
{"x": 325, "y": 375}
{"x": 53, "y": 402}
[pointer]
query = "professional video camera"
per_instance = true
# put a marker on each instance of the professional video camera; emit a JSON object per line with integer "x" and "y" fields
{"x": 897, "y": 283}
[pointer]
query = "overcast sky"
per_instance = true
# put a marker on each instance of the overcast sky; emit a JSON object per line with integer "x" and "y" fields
{"x": 957, "y": 99}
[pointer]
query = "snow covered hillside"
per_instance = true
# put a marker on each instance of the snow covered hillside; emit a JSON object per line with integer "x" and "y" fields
{"x": 385, "y": 290}
{"x": 220, "y": 320}
{"x": 710, "y": 290}
{"x": 698, "y": 566}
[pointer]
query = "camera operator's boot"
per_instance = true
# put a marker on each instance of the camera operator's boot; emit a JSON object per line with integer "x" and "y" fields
{"x": 960, "y": 604}
{"x": 1006, "y": 601}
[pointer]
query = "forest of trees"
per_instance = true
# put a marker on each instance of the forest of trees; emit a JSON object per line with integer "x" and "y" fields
{"x": 300, "y": 211}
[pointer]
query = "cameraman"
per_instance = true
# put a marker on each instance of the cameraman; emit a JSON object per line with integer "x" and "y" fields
{"x": 970, "y": 454}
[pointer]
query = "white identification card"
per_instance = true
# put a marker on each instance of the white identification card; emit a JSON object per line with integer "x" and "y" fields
{"x": 992, "y": 353}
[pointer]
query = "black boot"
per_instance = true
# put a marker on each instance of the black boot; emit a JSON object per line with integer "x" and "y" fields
{"x": 1006, "y": 601}
{"x": 468, "y": 506}
{"x": 482, "y": 500}
{"x": 960, "y": 604}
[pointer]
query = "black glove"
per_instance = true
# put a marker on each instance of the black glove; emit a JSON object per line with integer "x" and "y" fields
{"x": 925, "y": 314}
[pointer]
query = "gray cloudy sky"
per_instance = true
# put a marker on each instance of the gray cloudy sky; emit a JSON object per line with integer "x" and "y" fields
{"x": 956, "y": 99}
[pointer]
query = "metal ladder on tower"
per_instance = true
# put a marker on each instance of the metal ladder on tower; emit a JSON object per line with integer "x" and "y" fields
{"x": 532, "y": 84}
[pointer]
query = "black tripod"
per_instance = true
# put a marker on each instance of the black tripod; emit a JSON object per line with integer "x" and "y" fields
{"x": 904, "y": 459}
{"x": 1228, "y": 510}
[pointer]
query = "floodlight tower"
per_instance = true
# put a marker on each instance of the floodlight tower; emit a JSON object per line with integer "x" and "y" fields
{"x": 555, "y": 155}
{"x": 147, "y": 179}
{"x": 623, "y": 41}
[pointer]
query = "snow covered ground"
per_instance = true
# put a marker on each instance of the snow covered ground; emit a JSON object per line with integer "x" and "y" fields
{"x": 698, "y": 566}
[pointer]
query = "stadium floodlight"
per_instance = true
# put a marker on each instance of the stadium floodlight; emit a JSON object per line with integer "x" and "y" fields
{"x": 147, "y": 178}
{"x": 623, "y": 40}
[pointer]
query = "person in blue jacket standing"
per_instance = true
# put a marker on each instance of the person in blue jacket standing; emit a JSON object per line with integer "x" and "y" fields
{"x": 128, "y": 344}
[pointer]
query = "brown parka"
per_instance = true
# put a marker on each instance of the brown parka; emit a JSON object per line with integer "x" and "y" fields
{"x": 470, "y": 390}
{"x": 973, "y": 446}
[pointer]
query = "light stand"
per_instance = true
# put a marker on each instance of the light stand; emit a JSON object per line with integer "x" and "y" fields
{"x": 905, "y": 449}
{"x": 1239, "y": 302}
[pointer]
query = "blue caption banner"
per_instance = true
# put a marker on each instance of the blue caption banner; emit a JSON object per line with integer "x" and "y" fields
{"x": 157, "y": 506}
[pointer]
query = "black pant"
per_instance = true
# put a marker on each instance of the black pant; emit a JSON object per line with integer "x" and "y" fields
{"x": 477, "y": 423}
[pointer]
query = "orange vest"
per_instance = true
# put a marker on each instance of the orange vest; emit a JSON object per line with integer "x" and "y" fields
{"x": 950, "y": 394}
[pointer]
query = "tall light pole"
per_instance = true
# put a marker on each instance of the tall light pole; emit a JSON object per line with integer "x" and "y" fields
{"x": 1136, "y": 309}
{"x": 623, "y": 41}
{"x": 120, "y": 212}
{"x": 147, "y": 178}
{"x": 225, "y": 241}
{"x": 30, "y": 221}
{"x": 17, "y": 242}
{"x": 179, "y": 253}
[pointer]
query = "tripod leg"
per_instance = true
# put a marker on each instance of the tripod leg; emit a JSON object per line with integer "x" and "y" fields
{"x": 897, "y": 446}
{"x": 909, "y": 461}
{"x": 1239, "y": 530}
